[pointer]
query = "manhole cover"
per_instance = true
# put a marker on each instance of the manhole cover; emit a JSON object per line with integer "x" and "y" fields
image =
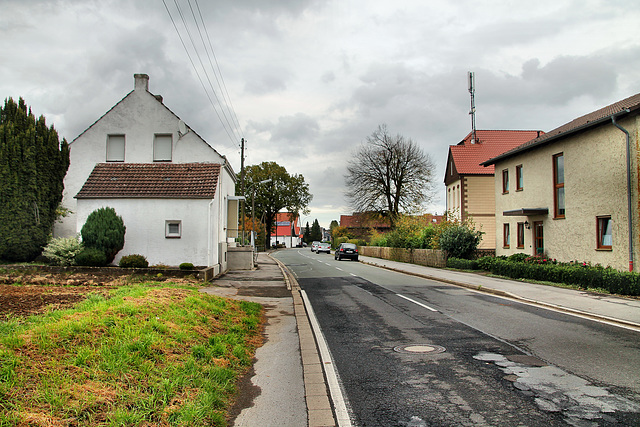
{"x": 419, "y": 349}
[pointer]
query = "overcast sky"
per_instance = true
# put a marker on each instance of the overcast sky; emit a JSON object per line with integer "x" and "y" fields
{"x": 309, "y": 80}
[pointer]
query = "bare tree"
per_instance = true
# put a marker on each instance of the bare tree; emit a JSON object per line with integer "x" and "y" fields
{"x": 389, "y": 174}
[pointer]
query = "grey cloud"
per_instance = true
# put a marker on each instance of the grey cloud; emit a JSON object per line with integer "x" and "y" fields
{"x": 299, "y": 128}
{"x": 268, "y": 82}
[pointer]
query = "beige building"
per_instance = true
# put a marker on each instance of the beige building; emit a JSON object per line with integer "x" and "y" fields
{"x": 572, "y": 193}
{"x": 469, "y": 185}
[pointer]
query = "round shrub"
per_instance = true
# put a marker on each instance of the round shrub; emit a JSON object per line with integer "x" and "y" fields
{"x": 63, "y": 250}
{"x": 91, "y": 257}
{"x": 133, "y": 261}
{"x": 186, "y": 266}
{"x": 460, "y": 241}
{"x": 104, "y": 230}
{"x": 519, "y": 257}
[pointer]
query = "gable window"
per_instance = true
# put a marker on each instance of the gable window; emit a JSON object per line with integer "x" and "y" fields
{"x": 519, "y": 179}
{"x": 505, "y": 181}
{"x": 605, "y": 237}
{"x": 506, "y": 236}
{"x": 558, "y": 186}
{"x": 162, "y": 148}
{"x": 173, "y": 229}
{"x": 520, "y": 241}
{"x": 115, "y": 148}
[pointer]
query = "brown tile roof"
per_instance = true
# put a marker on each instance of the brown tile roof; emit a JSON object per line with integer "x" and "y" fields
{"x": 151, "y": 180}
{"x": 363, "y": 220}
{"x": 467, "y": 157}
{"x": 592, "y": 119}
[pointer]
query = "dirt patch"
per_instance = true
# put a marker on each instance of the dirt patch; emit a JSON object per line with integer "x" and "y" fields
{"x": 27, "y": 293}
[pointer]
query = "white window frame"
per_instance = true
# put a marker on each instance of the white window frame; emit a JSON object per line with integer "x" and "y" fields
{"x": 160, "y": 152}
{"x": 111, "y": 155}
{"x": 168, "y": 233}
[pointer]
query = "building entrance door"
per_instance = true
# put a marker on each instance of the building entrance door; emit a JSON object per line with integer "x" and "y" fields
{"x": 538, "y": 238}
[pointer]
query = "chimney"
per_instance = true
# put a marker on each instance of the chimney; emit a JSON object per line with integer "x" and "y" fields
{"x": 141, "y": 82}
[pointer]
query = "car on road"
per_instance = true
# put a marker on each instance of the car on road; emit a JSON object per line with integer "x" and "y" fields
{"x": 314, "y": 246}
{"x": 324, "y": 247}
{"x": 346, "y": 250}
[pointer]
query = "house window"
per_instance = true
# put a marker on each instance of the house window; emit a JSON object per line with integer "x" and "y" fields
{"x": 162, "y": 148}
{"x": 519, "y": 180}
{"x": 558, "y": 186}
{"x": 505, "y": 181}
{"x": 506, "y": 236}
{"x": 521, "y": 235}
{"x": 115, "y": 148}
{"x": 605, "y": 238}
{"x": 173, "y": 229}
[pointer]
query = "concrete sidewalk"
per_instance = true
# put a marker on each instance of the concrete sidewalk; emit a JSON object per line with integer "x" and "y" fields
{"x": 287, "y": 387}
{"x": 618, "y": 310}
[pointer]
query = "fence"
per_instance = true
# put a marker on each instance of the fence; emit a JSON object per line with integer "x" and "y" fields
{"x": 426, "y": 257}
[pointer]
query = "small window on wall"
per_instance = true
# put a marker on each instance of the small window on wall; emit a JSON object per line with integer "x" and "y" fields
{"x": 115, "y": 148}
{"x": 173, "y": 229}
{"x": 520, "y": 235}
{"x": 505, "y": 181}
{"x": 162, "y": 148}
{"x": 519, "y": 179}
{"x": 605, "y": 237}
{"x": 506, "y": 236}
{"x": 558, "y": 186}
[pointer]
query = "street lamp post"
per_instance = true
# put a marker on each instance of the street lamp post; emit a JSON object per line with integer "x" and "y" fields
{"x": 253, "y": 206}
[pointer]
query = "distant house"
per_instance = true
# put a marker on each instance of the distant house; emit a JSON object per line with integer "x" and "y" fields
{"x": 174, "y": 192}
{"x": 470, "y": 185}
{"x": 572, "y": 193}
{"x": 288, "y": 230}
{"x": 360, "y": 224}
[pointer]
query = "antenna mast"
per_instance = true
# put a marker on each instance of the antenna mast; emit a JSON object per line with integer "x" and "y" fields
{"x": 472, "y": 91}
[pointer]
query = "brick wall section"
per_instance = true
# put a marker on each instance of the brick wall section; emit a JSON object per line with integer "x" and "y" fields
{"x": 426, "y": 257}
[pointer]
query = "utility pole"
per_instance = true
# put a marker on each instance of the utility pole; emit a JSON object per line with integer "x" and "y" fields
{"x": 242, "y": 184}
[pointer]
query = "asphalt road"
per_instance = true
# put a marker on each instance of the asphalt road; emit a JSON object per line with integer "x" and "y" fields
{"x": 415, "y": 352}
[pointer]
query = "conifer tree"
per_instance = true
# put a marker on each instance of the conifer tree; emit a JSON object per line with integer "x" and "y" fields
{"x": 33, "y": 163}
{"x": 316, "y": 232}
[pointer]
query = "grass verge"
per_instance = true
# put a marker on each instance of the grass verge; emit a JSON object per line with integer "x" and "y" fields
{"x": 146, "y": 355}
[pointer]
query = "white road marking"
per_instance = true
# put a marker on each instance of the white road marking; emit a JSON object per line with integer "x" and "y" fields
{"x": 418, "y": 303}
{"x": 340, "y": 406}
{"x": 338, "y": 268}
{"x": 354, "y": 275}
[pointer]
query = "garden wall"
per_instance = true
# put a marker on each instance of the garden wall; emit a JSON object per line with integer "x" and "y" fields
{"x": 426, "y": 257}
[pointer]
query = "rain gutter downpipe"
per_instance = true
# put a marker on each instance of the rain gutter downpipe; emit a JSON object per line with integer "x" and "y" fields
{"x": 629, "y": 209}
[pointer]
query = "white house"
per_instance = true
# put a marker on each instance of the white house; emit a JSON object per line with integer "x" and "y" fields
{"x": 174, "y": 192}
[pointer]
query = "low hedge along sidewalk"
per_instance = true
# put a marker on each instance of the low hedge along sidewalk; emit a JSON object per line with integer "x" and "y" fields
{"x": 584, "y": 277}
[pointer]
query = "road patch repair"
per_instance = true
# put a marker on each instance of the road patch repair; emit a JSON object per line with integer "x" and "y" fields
{"x": 555, "y": 390}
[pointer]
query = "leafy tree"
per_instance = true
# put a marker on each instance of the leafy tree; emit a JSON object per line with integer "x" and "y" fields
{"x": 33, "y": 163}
{"x": 333, "y": 226}
{"x": 389, "y": 174}
{"x": 307, "y": 234}
{"x": 104, "y": 230}
{"x": 460, "y": 241}
{"x": 316, "y": 232}
{"x": 284, "y": 191}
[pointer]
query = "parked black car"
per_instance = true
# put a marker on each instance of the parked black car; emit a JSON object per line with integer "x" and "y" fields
{"x": 346, "y": 250}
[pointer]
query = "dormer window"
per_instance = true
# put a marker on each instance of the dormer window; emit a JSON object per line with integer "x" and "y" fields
{"x": 162, "y": 147}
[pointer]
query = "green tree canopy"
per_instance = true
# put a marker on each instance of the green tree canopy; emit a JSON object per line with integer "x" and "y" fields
{"x": 283, "y": 192}
{"x": 33, "y": 164}
{"x": 316, "y": 232}
{"x": 307, "y": 234}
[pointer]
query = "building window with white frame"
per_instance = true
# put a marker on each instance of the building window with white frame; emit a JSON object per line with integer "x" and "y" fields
{"x": 162, "y": 147}
{"x": 115, "y": 148}
{"x": 173, "y": 229}
{"x": 605, "y": 232}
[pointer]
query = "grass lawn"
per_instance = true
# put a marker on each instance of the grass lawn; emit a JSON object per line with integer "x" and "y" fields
{"x": 152, "y": 354}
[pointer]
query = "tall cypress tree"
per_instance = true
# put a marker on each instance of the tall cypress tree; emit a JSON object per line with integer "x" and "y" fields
{"x": 33, "y": 163}
{"x": 316, "y": 232}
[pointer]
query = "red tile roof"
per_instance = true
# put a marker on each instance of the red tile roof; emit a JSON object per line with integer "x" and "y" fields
{"x": 363, "y": 220}
{"x": 283, "y": 225}
{"x": 152, "y": 180}
{"x": 467, "y": 156}
{"x": 594, "y": 118}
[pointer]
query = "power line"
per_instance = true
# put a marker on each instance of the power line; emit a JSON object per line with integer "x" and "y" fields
{"x": 231, "y": 130}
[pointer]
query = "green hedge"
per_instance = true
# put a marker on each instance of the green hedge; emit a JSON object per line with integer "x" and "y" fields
{"x": 614, "y": 281}
{"x": 462, "y": 264}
